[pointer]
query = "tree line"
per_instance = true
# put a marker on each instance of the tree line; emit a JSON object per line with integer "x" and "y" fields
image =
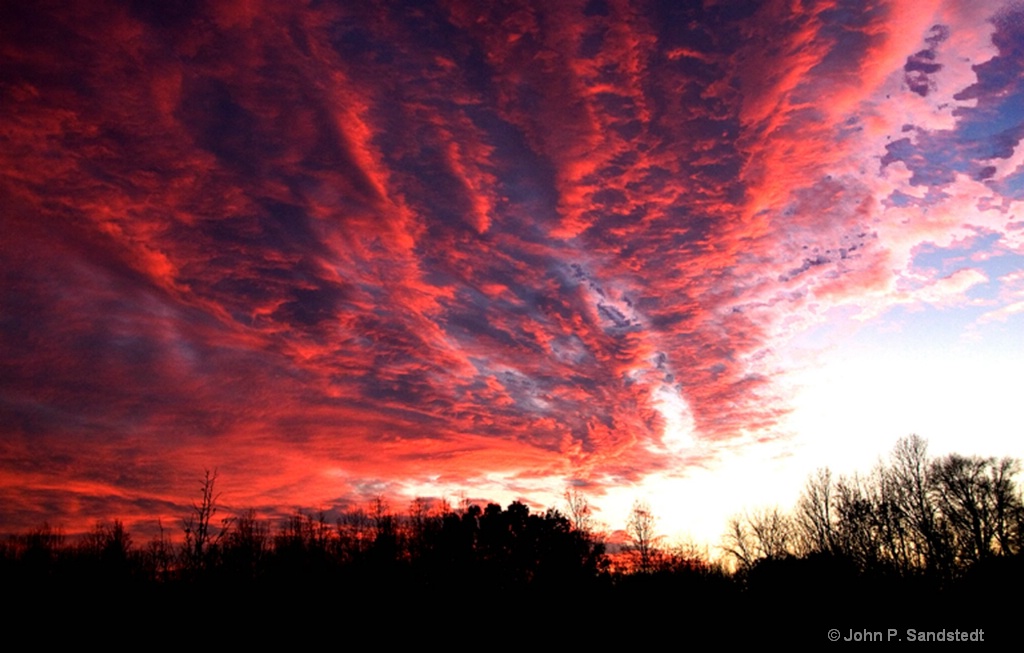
{"x": 935, "y": 533}
{"x": 912, "y": 515}
{"x": 472, "y": 548}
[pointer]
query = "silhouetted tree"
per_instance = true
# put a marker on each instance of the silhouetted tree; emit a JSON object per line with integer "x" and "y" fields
{"x": 109, "y": 541}
{"x": 198, "y": 534}
{"x": 160, "y": 554}
{"x": 386, "y": 545}
{"x": 246, "y": 546}
{"x": 38, "y": 552}
{"x": 766, "y": 533}
{"x": 738, "y": 544}
{"x": 640, "y": 527}
{"x": 976, "y": 499}
{"x": 773, "y": 532}
{"x": 110, "y": 547}
{"x": 909, "y": 492}
{"x": 302, "y": 549}
{"x": 815, "y": 516}
{"x": 895, "y": 534}
{"x": 579, "y": 512}
{"x": 355, "y": 533}
{"x": 858, "y": 532}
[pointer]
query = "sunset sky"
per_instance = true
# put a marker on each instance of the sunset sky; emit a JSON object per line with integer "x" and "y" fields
{"x": 684, "y": 252}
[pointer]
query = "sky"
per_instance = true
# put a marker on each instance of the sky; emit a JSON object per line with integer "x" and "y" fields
{"x": 681, "y": 252}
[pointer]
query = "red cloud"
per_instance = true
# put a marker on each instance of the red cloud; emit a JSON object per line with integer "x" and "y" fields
{"x": 336, "y": 248}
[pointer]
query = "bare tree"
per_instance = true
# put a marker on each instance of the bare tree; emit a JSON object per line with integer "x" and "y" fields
{"x": 161, "y": 553}
{"x": 766, "y": 533}
{"x": 580, "y": 514}
{"x": 862, "y": 521}
{"x": 976, "y": 498}
{"x": 419, "y": 513}
{"x": 688, "y": 556}
{"x": 738, "y": 543}
{"x": 384, "y": 523}
{"x": 1008, "y": 506}
{"x": 247, "y": 545}
{"x": 773, "y": 532}
{"x": 911, "y": 496}
{"x": 198, "y": 536}
{"x": 641, "y": 531}
{"x": 355, "y": 531}
{"x": 109, "y": 541}
{"x": 421, "y": 525}
{"x": 814, "y": 513}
